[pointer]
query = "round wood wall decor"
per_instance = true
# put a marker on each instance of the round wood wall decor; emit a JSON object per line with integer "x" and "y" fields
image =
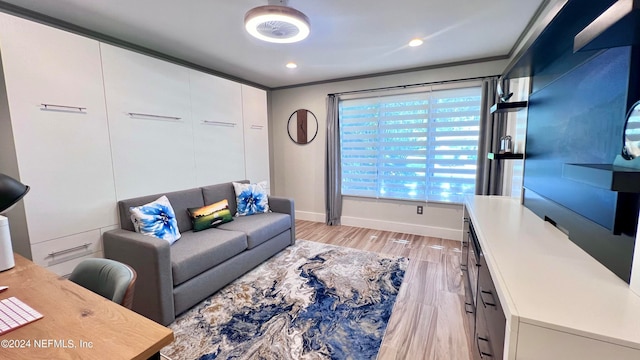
{"x": 302, "y": 126}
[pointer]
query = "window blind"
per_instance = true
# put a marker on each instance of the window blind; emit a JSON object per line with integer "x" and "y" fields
{"x": 417, "y": 146}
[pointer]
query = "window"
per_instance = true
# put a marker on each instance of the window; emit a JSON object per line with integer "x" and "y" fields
{"x": 417, "y": 146}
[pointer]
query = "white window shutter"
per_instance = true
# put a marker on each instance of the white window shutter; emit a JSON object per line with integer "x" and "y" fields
{"x": 417, "y": 146}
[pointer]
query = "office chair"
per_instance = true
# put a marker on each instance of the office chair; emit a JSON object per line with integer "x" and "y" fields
{"x": 109, "y": 278}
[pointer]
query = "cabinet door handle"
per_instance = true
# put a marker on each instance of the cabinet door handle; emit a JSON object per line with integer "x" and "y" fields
{"x": 66, "y": 251}
{"x": 53, "y": 107}
{"x": 219, "y": 123}
{"x": 468, "y": 306}
{"x": 257, "y": 127}
{"x": 482, "y": 353}
{"x": 487, "y": 303}
{"x": 161, "y": 117}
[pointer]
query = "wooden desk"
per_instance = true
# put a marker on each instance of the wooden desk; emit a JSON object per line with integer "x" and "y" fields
{"x": 77, "y": 323}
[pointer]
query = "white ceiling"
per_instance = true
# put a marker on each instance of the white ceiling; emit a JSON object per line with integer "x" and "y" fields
{"x": 348, "y": 37}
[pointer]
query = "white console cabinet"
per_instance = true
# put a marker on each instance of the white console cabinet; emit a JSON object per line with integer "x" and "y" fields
{"x": 559, "y": 302}
{"x": 55, "y": 139}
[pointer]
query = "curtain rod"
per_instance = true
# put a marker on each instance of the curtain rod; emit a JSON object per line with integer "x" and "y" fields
{"x": 411, "y": 85}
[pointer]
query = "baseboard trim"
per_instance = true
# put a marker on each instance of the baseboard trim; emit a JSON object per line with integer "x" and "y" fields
{"x": 310, "y": 216}
{"x": 432, "y": 231}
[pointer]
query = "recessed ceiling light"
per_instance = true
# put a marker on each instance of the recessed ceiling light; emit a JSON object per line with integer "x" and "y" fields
{"x": 416, "y": 42}
{"x": 291, "y": 65}
{"x": 277, "y": 23}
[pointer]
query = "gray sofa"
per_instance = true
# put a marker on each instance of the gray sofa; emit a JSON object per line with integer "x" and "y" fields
{"x": 173, "y": 278}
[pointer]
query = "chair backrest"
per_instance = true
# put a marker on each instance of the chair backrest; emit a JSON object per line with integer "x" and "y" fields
{"x": 109, "y": 278}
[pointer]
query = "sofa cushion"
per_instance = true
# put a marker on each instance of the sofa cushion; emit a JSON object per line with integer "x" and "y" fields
{"x": 210, "y": 216}
{"x": 260, "y": 227}
{"x": 214, "y": 193}
{"x": 180, "y": 201}
{"x": 156, "y": 219}
{"x": 251, "y": 199}
{"x": 197, "y": 252}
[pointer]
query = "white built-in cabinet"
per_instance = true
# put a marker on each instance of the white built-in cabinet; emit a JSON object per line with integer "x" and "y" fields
{"x": 86, "y": 124}
{"x": 57, "y": 118}
{"x": 216, "y": 107}
{"x": 256, "y": 134}
{"x": 558, "y": 302}
{"x": 148, "y": 104}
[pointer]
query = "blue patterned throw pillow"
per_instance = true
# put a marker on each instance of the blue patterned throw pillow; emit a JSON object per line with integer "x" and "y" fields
{"x": 156, "y": 219}
{"x": 251, "y": 198}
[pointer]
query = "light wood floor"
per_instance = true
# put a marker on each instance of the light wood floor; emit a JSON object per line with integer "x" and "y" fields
{"x": 428, "y": 320}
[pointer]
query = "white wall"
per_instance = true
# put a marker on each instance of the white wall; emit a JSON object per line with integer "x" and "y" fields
{"x": 298, "y": 170}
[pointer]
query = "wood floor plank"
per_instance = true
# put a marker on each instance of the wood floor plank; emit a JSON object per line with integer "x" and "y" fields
{"x": 393, "y": 243}
{"x": 428, "y": 320}
{"x": 387, "y": 353}
{"x": 451, "y": 336}
{"x": 453, "y": 276}
{"x": 424, "y": 281}
{"x": 427, "y": 249}
{"x": 411, "y": 330}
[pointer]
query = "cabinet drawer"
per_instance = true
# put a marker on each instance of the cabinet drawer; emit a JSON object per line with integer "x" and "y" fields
{"x": 65, "y": 268}
{"x": 489, "y": 303}
{"x": 483, "y": 342}
{"x": 61, "y": 250}
{"x": 489, "y": 334}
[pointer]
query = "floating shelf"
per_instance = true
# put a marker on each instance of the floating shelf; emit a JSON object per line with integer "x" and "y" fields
{"x": 508, "y": 106}
{"x": 505, "y": 156}
{"x": 616, "y": 26}
{"x": 605, "y": 176}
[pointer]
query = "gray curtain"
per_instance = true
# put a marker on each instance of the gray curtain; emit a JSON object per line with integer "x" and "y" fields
{"x": 492, "y": 128}
{"x": 333, "y": 194}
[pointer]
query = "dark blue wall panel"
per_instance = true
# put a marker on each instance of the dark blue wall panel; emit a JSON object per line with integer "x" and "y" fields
{"x": 579, "y": 118}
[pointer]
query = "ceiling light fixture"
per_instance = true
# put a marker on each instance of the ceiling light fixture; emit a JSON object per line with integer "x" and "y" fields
{"x": 416, "y": 42}
{"x": 277, "y": 23}
{"x": 291, "y": 65}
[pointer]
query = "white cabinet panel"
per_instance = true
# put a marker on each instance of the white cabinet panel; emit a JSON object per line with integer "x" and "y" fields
{"x": 57, "y": 251}
{"x": 55, "y": 94}
{"x": 256, "y": 133}
{"x": 560, "y": 303}
{"x": 540, "y": 343}
{"x": 150, "y": 123}
{"x": 65, "y": 268}
{"x": 216, "y": 105}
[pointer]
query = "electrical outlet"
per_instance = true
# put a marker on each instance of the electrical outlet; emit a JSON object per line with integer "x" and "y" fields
{"x": 419, "y": 211}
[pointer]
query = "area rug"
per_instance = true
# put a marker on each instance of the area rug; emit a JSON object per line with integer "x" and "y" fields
{"x": 310, "y": 301}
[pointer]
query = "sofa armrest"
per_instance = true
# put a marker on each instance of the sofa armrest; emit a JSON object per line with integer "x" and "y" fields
{"x": 285, "y": 206}
{"x": 150, "y": 258}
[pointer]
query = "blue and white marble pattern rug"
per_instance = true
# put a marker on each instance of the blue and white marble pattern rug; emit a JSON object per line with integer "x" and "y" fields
{"x": 310, "y": 301}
